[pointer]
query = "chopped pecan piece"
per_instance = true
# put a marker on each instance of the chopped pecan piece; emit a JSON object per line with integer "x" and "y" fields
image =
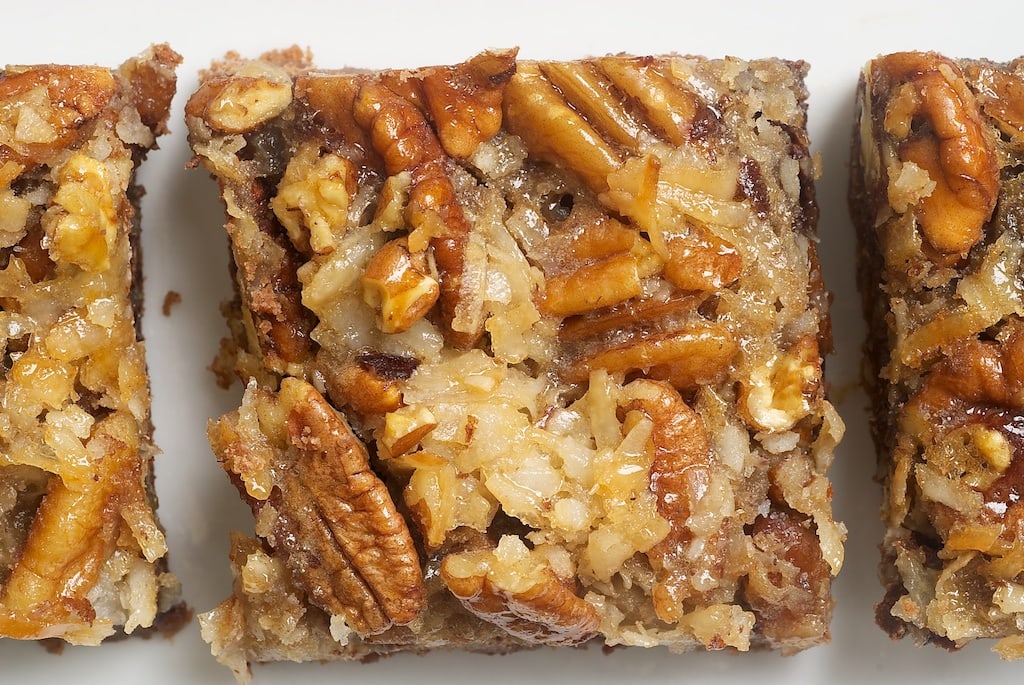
{"x": 788, "y": 584}
{"x": 779, "y": 395}
{"x": 369, "y": 384}
{"x": 313, "y": 198}
{"x": 602, "y": 263}
{"x": 243, "y": 102}
{"x": 397, "y": 285}
{"x": 266, "y": 263}
{"x": 700, "y": 260}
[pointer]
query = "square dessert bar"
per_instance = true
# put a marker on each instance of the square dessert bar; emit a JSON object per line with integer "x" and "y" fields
{"x": 936, "y": 194}
{"x": 82, "y": 555}
{"x": 532, "y": 355}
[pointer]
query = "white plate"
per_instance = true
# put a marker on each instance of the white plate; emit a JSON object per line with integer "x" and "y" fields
{"x": 185, "y": 251}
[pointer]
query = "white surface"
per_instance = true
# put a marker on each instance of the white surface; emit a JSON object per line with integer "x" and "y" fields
{"x": 185, "y": 251}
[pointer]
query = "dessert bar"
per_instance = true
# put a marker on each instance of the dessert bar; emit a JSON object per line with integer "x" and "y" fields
{"x": 532, "y": 355}
{"x": 936, "y": 195}
{"x": 82, "y": 555}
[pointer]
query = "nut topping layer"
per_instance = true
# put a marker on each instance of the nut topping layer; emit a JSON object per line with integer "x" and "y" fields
{"x": 573, "y": 312}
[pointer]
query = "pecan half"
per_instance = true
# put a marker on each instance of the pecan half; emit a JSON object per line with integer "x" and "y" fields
{"x": 936, "y": 123}
{"x": 329, "y": 99}
{"x": 590, "y": 92}
{"x": 595, "y": 285}
{"x": 506, "y": 587}
{"x": 636, "y": 314}
{"x": 668, "y": 106}
{"x": 327, "y": 513}
{"x": 74, "y": 532}
{"x": 536, "y": 112}
{"x": 465, "y": 100}
{"x": 697, "y": 353}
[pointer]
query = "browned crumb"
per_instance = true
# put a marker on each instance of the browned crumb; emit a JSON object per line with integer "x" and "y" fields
{"x": 172, "y": 298}
{"x": 223, "y": 365}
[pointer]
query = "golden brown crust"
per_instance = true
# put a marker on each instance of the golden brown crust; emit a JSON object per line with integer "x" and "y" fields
{"x": 81, "y": 552}
{"x": 936, "y": 197}
{"x": 573, "y": 311}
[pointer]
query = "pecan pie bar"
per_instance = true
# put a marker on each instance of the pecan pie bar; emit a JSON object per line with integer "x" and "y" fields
{"x": 532, "y": 354}
{"x": 938, "y": 199}
{"x": 82, "y": 555}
